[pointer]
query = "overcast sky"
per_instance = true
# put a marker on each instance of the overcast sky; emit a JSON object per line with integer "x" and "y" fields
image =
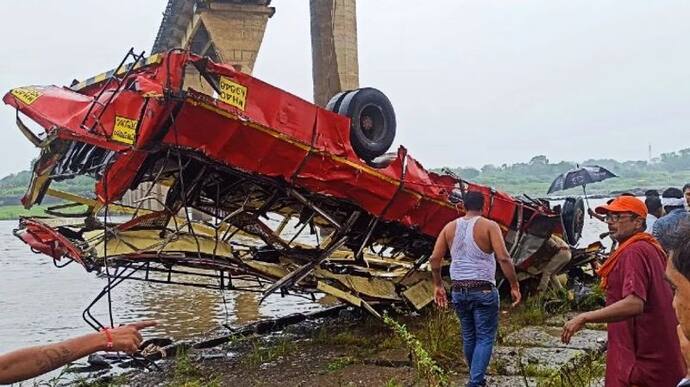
{"x": 472, "y": 82}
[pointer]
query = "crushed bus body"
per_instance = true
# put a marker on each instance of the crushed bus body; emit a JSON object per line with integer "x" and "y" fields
{"x": 263, "y": 167}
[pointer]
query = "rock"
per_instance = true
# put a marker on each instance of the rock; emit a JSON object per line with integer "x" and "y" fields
{"x": 544, "y": 336}
{"x": 97, "y": 360}
{"x": 500, "y": 381}
{"x": 349, "y": 314}
{"x": 534, "y": 361}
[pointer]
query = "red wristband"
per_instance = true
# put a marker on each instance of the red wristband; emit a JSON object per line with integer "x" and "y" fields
{"x": 109, "y": 337}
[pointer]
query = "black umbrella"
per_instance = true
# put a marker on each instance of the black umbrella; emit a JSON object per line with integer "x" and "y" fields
{"x": 580, "y": 176}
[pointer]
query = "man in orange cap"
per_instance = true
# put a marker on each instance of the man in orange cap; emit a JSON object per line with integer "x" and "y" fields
{"x": 643, "y": 347}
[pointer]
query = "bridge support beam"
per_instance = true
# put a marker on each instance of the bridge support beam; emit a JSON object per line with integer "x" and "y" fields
{"x": 335, "y": 66}
{"x": 227, "y": 33}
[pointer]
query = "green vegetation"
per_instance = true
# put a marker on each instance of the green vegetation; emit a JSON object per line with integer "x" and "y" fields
{"x": 108, "y": 381}
{"x": 529, "y": 312}
{"x": 345, "y": 338}
{"x": 535, "y": 176}
{"x": 260, "y": 354}
{"x": 13, "y": 187}
{"x": 339, "y": 363}
{"x": 188, "y": 374}
{"x": 15, "y": 211}
{"x": 582, "y": 373}
{"x": 439, "y": 332}
{"x": 422, "y": 361}
{"x": 392, "y": 383}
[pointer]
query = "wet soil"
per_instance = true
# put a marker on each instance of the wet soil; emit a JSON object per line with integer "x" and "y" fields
{"x": 352, "y": 349}
{"x": 329, "y": 352}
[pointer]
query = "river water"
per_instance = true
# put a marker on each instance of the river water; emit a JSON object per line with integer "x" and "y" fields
{"x": 40, "y": 303}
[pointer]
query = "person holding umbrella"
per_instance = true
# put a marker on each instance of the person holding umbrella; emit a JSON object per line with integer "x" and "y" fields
{"x": 643, "y": 346}
{"x": 580, "y": 176}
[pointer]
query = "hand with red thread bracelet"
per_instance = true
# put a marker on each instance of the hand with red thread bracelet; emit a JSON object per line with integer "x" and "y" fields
{"x": 125, "y": 338}
{"x": 26, "y": 363}
{"x": 109, "y": 338}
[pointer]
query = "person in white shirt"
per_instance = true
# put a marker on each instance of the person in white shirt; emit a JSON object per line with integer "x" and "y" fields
{"x": 655, "y": 211}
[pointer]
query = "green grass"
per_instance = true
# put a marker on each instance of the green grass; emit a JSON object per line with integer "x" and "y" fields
{"x": 108, "y": 381}
{"x": 588, "y": 369}
{"x": 339, "y": 363}
{"x": 15, "y": 211}
{"x": 530, "y": 312}
{"x": 439, "y": 333}
{"x": 188, "y": 374}
{"x": 426, "y": 367}
{"x": 260, "y": 354}
{"x": 392, "y": 383}
{"x": 345, "y": 338}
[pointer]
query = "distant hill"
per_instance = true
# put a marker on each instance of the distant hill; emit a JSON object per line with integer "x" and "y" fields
{"x": 13, "y": 187}
{"x": 535, "y": 176}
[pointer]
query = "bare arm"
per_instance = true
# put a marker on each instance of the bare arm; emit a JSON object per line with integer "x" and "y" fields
{"x": 621, "y": 310}
{"x": 30, "y": 362}
{"x": 436, "y": 259}
{"x": 498, "y": 245}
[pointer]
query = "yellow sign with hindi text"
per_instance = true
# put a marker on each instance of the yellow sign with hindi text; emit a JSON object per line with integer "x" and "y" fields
{"x": 26, "y": 94}
{"x": 125, "y": 130}
{"x": 233, "y": 93}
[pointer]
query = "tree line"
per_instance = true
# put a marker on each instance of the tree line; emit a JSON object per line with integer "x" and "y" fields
{"x": 535, "y": 176}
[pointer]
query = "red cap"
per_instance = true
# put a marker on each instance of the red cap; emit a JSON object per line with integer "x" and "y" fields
{"x": 624, "y": 204}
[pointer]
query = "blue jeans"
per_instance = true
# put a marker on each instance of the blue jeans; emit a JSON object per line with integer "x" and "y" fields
{"x": 478, "y": 314}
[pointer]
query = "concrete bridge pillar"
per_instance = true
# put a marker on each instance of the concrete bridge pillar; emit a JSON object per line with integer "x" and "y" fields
{"x": 335, "y": 66}
{"x": 226, "y": 32}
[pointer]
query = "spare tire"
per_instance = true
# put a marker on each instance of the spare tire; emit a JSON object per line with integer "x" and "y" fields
{"x": 383, "y": 161}
{"x": 372, "y": 121}
{"x": 335, "y": 101}
{"x": 573, "y": 219}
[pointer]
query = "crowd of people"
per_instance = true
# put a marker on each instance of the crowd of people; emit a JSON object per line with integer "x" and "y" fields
{"x": 646, "y": 280}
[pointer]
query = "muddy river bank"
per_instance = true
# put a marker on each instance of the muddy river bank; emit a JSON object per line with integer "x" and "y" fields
{"x": 351, "y": 349}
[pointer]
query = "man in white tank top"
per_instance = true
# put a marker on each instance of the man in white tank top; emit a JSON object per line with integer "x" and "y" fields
{"x": 475, "y": 244}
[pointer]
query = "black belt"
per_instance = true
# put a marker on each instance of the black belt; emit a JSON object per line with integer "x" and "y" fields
{"x": 472, "y": 285}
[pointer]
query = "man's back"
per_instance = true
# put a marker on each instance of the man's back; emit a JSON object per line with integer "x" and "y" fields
{"x": 475, "y": 245}
{"x": 481, "y": 233}
{"x": 471, "y": 252}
